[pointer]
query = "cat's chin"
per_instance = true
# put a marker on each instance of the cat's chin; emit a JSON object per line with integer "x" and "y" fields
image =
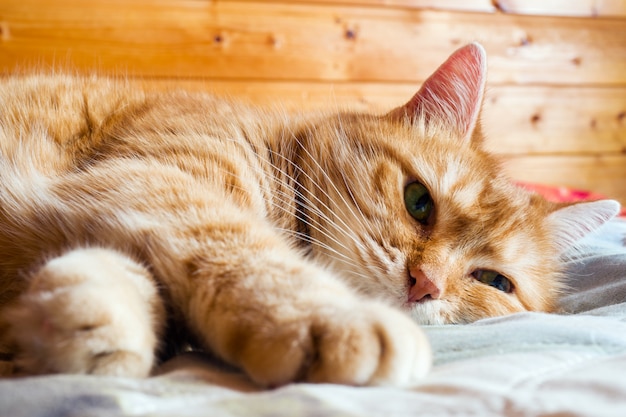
{"x": 427, "y": 313}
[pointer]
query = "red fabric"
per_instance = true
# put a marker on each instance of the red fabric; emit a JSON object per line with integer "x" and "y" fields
{"x": 564, "y": 194}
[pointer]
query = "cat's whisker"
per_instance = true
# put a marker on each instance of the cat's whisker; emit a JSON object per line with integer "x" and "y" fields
{"x": 331, "y": 253}
{"x": 335, "y": 254}
{"x": 313, "y": 208}
{"x": 315, "y": 225}
{"x": 364, "y": 225}
{"x": 369, "y": 227}
{"x": 315, "y": 183}
{"x": 329, "y": 180}
{"x": 336, "y": 257}
{"x": 309, "y": 221}
{"x": 324, "y": 216}
{"x": 343, "y": 228}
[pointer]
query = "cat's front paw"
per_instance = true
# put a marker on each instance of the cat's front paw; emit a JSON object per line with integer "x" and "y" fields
{"x": 84, "y": 313}
{"x": 367, "y": 343}
{"x": 370, "y": 345}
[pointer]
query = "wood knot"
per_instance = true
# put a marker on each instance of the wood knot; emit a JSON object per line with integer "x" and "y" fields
{"x": 274, "y": 41}
{"x": 525, "y": 40}
{"x": 4, "y": 31}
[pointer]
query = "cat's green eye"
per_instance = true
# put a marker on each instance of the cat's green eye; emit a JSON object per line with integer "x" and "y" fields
{"x": 494, "y": 279}
{"x": 418, "y": 202}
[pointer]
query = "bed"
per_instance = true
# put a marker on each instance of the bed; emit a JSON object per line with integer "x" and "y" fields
{"x": 527, "y": 364}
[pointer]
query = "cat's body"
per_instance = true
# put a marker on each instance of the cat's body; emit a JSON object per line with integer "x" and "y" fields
{"x": 268, "y": 237}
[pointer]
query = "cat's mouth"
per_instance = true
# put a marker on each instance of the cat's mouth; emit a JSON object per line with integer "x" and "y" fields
{"x": 427, "y": 310}
{"x": 424, "y": 299}
{"x": 418, "y": 305}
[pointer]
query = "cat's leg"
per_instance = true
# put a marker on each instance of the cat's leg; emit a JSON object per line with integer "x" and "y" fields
{"x": 87, "y": 311}
{"x": 282, "y": 318}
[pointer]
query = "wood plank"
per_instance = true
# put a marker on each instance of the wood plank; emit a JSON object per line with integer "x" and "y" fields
{"x": 516, "y": 119}
{"x": 485, "y": 6}
{"x": 286, "y": 41}
{"x": 538, "y": 119}
{"x": 569, "y": 8}
{"x": 605, "y": 174}
{"x": 579, "y": 8}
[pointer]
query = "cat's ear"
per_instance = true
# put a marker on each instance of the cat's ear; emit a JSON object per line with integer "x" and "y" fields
{"x": 453, "y": 94}
{"x": 573, "y": 222}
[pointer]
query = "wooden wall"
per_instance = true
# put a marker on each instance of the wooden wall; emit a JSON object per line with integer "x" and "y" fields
{"x": 556, "y": 101}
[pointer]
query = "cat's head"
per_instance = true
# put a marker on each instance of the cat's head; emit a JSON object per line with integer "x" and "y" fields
{"x": 409, "y": 207}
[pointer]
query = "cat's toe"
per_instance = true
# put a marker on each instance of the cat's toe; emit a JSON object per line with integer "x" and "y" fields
{"x": 371, "y": 345}
{"x": 366, "y": 343}
{"x": 55, "y": 333}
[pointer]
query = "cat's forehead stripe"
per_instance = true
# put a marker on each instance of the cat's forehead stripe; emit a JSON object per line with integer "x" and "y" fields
{"x": 456, "y": 184}
{"x": 450, "y": 177}
{"x": 460, "y": 185}
{"x": 467, "y": 196}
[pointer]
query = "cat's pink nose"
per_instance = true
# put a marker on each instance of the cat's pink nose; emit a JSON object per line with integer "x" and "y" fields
{"x": 421, "y": 287}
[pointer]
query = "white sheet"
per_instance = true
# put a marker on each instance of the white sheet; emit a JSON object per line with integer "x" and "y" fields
{"x": 527, "y": 364}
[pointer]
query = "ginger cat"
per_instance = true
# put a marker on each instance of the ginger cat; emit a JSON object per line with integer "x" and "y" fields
{"x": 296, "y": 247}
